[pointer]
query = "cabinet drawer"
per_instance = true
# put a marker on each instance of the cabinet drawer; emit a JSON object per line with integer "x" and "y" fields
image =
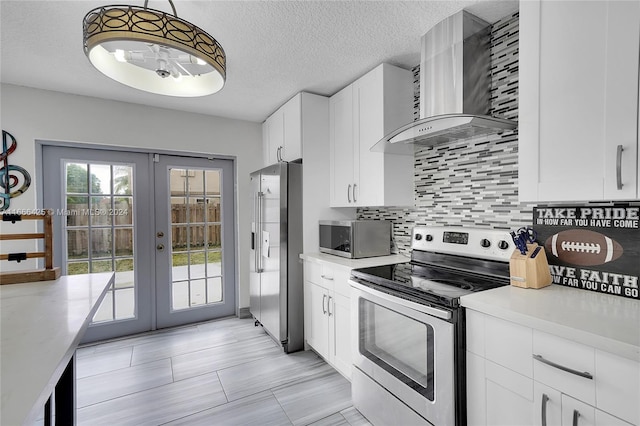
{"x": 564, "y": 365}
{"x": 341, "y": 281}
{"x": 618, "y": 386}
{"x": 509, "y": 345}
{"x": 312, "y": 272}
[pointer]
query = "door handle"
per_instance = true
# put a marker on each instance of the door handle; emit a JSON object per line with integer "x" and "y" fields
{"x": 576, "y": 415}
{"x": 354, "y": 192}
{"x": 329, "y": 306}
{"x": 349, "y": 193}
{"x": 584, "y": 374}
{"x": 619, "y": 167}
{"x": 543, "y": 413}
{"x": 324, "y": 298}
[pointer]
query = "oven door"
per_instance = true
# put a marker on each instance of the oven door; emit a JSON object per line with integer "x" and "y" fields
{"x": 408, "y": 349}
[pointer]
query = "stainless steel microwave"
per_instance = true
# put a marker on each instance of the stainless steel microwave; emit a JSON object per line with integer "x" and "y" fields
{"x": 355, "y": 238}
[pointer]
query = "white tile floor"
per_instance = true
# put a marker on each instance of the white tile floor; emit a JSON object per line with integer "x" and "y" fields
{"x": 224, "y": 372}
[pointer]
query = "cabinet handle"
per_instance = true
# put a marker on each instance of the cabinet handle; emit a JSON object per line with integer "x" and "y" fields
{"x": 545, "y": 399}
{"x": 324, "y": 298}
{"x": 354, "y": 192}
{"x": 329, "y": 306}
{"x": 279, "y": 154}
{"x": 349, "y": 193}
{"x": 584, "y": 374}
{"x": 619, "y": 166}
{"x": 576, "y": 414}
{"x": 327, "y": 278}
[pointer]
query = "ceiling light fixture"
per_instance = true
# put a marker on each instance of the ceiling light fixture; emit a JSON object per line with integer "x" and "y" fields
{"x": 153, "y": 51}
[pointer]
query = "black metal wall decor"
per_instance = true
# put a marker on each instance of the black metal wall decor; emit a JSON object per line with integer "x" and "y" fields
{"x": 14, "y": 180}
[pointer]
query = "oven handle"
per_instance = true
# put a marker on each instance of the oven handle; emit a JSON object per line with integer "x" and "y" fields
{"x": 429, "y": 310}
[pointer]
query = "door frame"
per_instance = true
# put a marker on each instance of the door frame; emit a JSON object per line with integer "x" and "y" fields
{"x": 39, "y": 160}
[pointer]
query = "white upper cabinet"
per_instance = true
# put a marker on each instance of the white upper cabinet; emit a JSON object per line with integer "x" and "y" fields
{"x": 359, "y": 116}
{"x": 578, "y": 110}
{"x": 282, "y": 132}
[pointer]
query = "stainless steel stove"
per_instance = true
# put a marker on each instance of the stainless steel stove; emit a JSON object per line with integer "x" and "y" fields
{"x": 410, "y": 347}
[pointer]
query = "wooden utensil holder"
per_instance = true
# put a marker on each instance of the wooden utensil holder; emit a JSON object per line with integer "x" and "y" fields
{"x": 46, "y": 274}
{"x": 527, "y": 271}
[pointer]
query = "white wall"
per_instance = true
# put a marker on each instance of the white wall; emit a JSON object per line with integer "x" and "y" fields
{"x": 33, "y": 114}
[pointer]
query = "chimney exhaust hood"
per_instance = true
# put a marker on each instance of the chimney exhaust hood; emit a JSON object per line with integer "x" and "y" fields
{"x": 455, "y": 85}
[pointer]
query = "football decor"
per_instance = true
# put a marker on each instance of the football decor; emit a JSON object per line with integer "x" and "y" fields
{"x": 14, "y": 180}
{"x": 592, "y": 247}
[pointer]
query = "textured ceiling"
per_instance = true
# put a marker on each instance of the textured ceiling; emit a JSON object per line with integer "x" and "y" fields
{"x": 274, "y": 48}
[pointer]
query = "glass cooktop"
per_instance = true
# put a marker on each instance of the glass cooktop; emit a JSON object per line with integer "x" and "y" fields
{"x": 425, "y": 284}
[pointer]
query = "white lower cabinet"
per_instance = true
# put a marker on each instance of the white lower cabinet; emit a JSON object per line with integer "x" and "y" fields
{"x": 327, "y": 321}
{"x": 517, "y": 375}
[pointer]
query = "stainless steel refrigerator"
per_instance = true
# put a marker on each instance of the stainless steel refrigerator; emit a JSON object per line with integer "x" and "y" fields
{"x": 276, "y": 298}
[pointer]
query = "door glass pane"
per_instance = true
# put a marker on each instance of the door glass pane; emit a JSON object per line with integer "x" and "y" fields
{"x": 77, "y": 178}
{"x": 77, "y": 208}
{"x": 100, "y": 178}
{"x": 99, "y": 230}
{"x": 123, "y": 211}
{"x": 196, "y": 237}
{"x": 122, "y": 180}
{"x": 214, "y": 290}
{"x": 100, "y": 209}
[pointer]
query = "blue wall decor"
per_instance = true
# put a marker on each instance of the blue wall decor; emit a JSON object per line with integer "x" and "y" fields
{"x": 10, "y": 174}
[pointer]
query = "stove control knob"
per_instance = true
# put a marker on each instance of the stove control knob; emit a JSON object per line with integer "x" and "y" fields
{"x": 485, "y": 243}
{"x": 418, "y": 237}
{"x": 429, "y": 237}
{"x": 503, "y": 245}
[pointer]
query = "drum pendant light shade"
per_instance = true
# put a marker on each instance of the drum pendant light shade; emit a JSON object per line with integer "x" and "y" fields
{"x": 153, "y": 51}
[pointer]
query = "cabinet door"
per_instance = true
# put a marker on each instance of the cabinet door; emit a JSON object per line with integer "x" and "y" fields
{"x": 341, "y": 148}
{"x": 340, "y": 337}
{"x": 292, "y": 137}
{"x": 368, "y": 129}
{"x": 509, "y": 396}
{"x": 618, "y": 386}
{"x": 275, "y": 128}
{"x": 605, "y": 419}
{"x": 578, "y": 100}
{"x": 547, "y": 406}
{"x": 577, "y": 413}
{"x": 265, "y": 143}
{"x": 317, "y": 331}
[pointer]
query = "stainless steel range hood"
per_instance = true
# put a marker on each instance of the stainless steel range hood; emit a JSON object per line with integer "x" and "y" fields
{"x": 455, "y": 85}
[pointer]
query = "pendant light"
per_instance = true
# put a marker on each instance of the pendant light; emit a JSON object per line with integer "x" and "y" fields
{"x": 153, "y": 51}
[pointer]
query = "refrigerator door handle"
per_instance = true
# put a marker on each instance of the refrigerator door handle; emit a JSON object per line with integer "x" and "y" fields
{"x": 258, "y": 233}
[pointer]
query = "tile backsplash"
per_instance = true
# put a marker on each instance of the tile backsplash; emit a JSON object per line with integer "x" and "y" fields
{"x": 472, "y": 182}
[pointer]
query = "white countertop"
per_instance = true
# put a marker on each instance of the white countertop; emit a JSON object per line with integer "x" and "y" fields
{"x": 42, "y": 324}
{"x": 356, "y": 263}
{"x": 610, "y": 323}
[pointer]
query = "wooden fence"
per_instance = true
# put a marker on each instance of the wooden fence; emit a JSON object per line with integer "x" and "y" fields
{"x": 183, "y": 218}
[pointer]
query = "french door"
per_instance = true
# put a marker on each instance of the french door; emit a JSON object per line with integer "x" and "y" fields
{"x": 194, "y": 239}
{"x": 163, "y": 224}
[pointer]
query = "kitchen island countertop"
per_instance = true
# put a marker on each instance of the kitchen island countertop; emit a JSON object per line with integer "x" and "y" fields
{"x": 606, "y": 322}
{"x": 42, "y": 324}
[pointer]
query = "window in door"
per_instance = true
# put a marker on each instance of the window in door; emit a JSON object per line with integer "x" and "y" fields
{"x": 98, "y": 230}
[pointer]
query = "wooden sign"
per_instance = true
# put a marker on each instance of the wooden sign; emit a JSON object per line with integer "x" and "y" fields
{"x": 594, "y": 248}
